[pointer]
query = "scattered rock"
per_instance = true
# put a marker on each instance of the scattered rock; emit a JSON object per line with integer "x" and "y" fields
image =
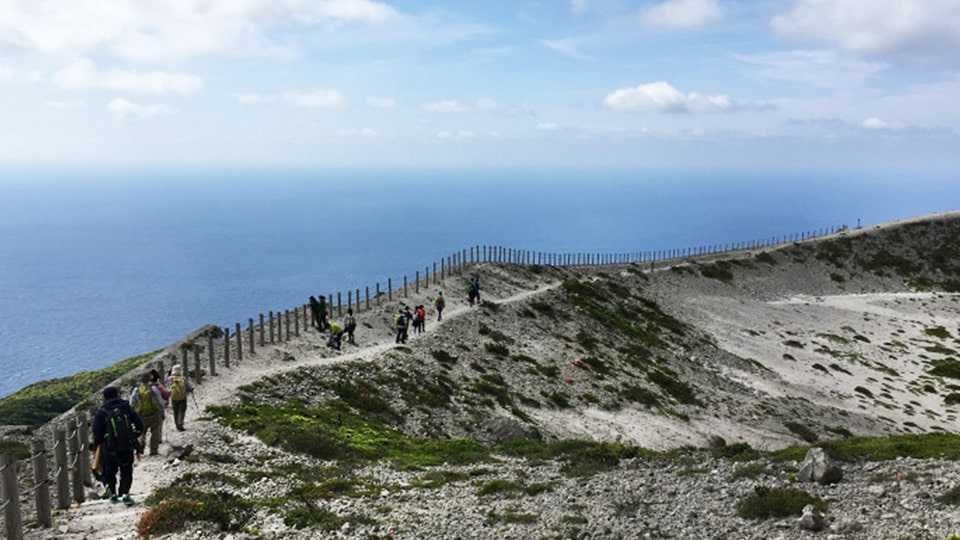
{"x": 818, "y": 467}
{"x": 812, "y": 519}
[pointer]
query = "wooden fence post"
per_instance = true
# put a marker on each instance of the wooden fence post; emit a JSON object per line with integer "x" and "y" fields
{"x": 405, "y": 290}
{"x": 296, "y": 322}
{"x": 11, "y": 492}
{"x": 41, "y": 482}
{"x": 287, "y": 317}
{"x": 63, "y": 481}
{"x": 389, "y": 289}
{"x": 357, "y": 297}
{"x": 73, "y": 440}
{"x": 378, "y": 293}
{"x": 367, "y": 288}
{"x": 443, "y": 270}
{"x": 83, "y": 434}
{"x": 262, "y": 334}
{"x": 210, "y": 358}
{"x": 183, "y": 361}
{"x": 239, "y": 335}
{"x": 226, "y": 347}
{"x": 272, "y": 338}
{"x": 196, "y": 364}
{"x": 417, "y": 280}
{"x": 339, "y": 305}
{"x": 250, "y": 328}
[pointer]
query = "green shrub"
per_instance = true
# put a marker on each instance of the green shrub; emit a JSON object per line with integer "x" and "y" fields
{"x": 938, "y": 332}
{"x": 638, "y": 394}
{"x": 175, "y": 506}
{"x": 750, "y": 470}
{"x": 674, "y": 387}
{"x": 802, "y": 431}
{"x": 717, "y": 271}
{"x": 948, "y": 367}
{"x": 767, "y": 502}
{"x": 16, "y": 449}
{"x": 499, "y": 487}
{"x": 497, "y": 349}
{"x": 43, "y": 401}
{"x": 736, "y": 452}
{"x": 443, "y": 357}
{"x": 921, "y": 446}
{"x": 951, "y": 497}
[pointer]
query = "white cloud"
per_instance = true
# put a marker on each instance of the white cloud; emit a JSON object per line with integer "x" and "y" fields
{"x": 819, "y": 68}
{"x": 446, "y": 106}
{"x": 486, "y": 104}
{"x": 682, "y": 14}
{"x": 123, "y": 109}
{"x": 368, "y": 133}
{"x": 547, "y": 126}
{"x": 169, "y": 28}
{"x": 925, "y": 30}
{"x": 874, "y": 123}
{"x": 381, "y": 102}
{"x": 578, "y": 6}
{"x": 308, "y": 99}
{"x": 83, "y": 74}
{"x": 315, "y": 99}
{"x": 566, "y": 47}
{"x": 663, "y": 97}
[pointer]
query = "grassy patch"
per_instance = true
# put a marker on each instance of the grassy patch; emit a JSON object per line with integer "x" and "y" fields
{"x": 938, "y": 332}
{"x": 16, "y": 449}
{"x": 579, "y": 458}
{"x": 176, "y": 506}
{"x": 496, "y": 349}
{"x": 443, "y": 357}
{"x": 719, "y": 271}
{"x": 736, "y": 452}
{"x": 43, "y": 401}
{"x": 946, "y": 368}
{"x": 750, "y": 470}
{"x": 766, "y": 258}
{"x": 334, "y": 431}
{"x": 639, "y": 394}
{"x": 802, "y": 431}
{"x": 921, "y": 446}
{"x": 679, "y": 390}
{"x": 765, "y": 503}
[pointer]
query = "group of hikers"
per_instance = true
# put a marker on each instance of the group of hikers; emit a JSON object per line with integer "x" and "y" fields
{"x": 120, "y": 427}
{"x": 318, "y": 320}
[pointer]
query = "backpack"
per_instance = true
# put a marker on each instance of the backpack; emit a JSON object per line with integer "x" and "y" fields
{"x": 440, "y": 302}
{"x": 178, "y": 389}
{"x": 121, "y": 433}
{"x": 145, "y": 405}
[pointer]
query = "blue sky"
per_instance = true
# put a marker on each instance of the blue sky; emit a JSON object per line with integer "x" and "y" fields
{"x": 837, "y": 84}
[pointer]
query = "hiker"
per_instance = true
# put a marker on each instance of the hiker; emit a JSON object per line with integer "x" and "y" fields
{"x": 179, "y": 388}
{"x": 336, "y": 335}
{"x": 400, "y": 324}
{"x": 407, "y": 319}
{"x": 322, "y": 310}
{"x": 440, "y": 303}
{"x": 157, "y": 382}
{"x": 475, "y": 290}
{"x": 148, "y": 403}
{"x": 419, "y": 319}
{"x": 351, "y": 326}
{"x": 116, "y": 434}
{"x": 315, "y": 313}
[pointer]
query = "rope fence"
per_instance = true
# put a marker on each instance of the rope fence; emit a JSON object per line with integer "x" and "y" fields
{"x": 71, "y": 458}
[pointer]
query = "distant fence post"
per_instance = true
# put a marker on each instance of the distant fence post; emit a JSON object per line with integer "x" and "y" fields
{"x": 443, "y": 270}
{"x": 226, "y": 347}
{"x": 272, "y": 339}
{"x": 262, "y": 330}
{"x": 196, "y": 364}
{"x": 253, "y": 351}
{"x": 184, "y": 365}
{"x": 239, "y": 336}
{"x": 210, "y": 358}
{"x": 11, "y": 492}
{"x": 389, "y": 289}
{"x": 296, "y": 322}
{"x": 287, "y": 317}
{"x": 358, "y": 300}
{"x": 60, "y": 453}
{"x": 83, "y": 434}
{"x": 339, "y": 305}
{"x": 405, "y": 295}
{"x": 41, "y": 481}
{"x": 377, "y": 296}
{"x": 367, "y": 295}
{"x": 435, "y": 272}
{"x": 417, "y": 281}
{"x": 73, "y": 440}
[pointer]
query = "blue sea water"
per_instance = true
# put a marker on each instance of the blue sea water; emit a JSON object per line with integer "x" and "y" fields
{"x": 99, "y": 265}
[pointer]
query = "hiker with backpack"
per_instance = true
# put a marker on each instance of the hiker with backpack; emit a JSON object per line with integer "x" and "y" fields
{"x": 350, "y": 322}
{"x": 440, "y": 303}
{"x": 148, "y": 403}
{"x": 315, "y": 313}
{"x": 116, "y": 435}
{"x": 157, "y": 382}
{"x": 336, "y": 335}
{"x": 475, "y": 290}
{"x": 179, "y": 388}
{"x": 419, "y": 319}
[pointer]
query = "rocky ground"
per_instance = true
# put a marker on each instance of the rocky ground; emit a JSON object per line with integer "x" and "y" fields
{"x": 568, "y": 405}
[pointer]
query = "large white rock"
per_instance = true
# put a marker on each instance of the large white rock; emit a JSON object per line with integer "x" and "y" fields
{"x": 818, "y": 467}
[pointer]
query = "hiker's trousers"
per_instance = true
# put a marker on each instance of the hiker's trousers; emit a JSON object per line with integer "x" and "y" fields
{"x": 179, "y": 412}
{"x": 114, "y": 463}
{"x": 153, "y": 425}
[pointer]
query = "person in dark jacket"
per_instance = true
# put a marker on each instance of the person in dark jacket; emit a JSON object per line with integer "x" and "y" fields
{"x": 315, "y": 313}
{"x": 322, "y": 310}
{"x": 116, "y": 432}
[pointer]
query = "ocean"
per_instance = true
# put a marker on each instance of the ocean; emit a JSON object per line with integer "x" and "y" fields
{"x": 100, "y": 265}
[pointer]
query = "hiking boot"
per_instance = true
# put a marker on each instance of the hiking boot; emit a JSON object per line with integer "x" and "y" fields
{"x": 128, "y": 500}
{"x": 106, "y": 495}
{"x": 114, "y": 499}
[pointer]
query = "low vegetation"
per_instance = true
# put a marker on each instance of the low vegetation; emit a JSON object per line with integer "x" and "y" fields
{"x": 778, "y": 502}
{"x": 43, "y": 401}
